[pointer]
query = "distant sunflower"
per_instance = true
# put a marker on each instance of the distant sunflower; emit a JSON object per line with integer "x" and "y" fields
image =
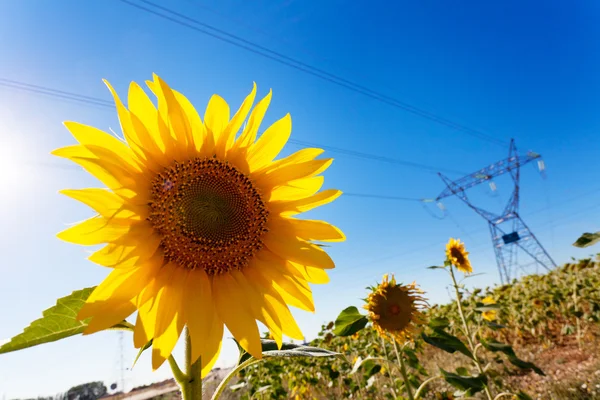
{"x": 458, "y": 256}
{"x": 395, "y": 309}
{"x": 491, "y": 314}
{"x": 199, "y": 224}
{"x": 538, "y": 303}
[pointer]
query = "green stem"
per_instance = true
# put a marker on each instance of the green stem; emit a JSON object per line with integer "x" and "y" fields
{"x": 502, "y": 395}
{"x": 393, "y": 384}
{"x": 221, "y": 388}
{"x": 190, "y": 381}
{"x": 403, "y": 370}
{"x": 467, "y": 332}
{"x": 424, "y": 384}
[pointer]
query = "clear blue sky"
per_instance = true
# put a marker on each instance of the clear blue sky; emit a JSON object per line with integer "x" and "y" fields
{"x": 528, "y": 70}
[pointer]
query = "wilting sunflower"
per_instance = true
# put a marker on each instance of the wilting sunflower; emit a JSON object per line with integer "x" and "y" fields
{"x": 199, "y": 223}
{"x": 458, "y": 256}
{"x": 491, "y": 314}
{"x": 395, "y": 309}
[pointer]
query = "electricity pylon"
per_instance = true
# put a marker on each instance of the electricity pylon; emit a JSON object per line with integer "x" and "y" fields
{"x": 509, "y": 232}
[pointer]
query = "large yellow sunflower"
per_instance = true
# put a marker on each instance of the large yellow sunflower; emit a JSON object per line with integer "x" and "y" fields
{"x": 458, "y": 256}
{"x": 396, "y": 310}
{"x": 199, "y": 223}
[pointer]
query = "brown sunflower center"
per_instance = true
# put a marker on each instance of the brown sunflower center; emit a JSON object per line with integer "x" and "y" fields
{"x": 209, "y": 214}
{"x": 393, "y": 309}
{"x": 457, "y": 255}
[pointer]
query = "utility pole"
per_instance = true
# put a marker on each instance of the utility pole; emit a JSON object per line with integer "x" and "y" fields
{"x": 508, "y": 230}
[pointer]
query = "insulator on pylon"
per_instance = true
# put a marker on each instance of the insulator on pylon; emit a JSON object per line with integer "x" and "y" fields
{"x": 441, "y": 206}
{"x": 493, "y": 186}
{"x": 541, "y": 165}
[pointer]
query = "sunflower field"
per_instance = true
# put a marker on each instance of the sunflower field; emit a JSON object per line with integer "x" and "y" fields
{"x": 533, "y": 323}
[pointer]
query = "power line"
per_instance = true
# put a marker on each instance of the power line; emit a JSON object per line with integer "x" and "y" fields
{"x": 255, "y": 48}
{"x": 381, "y": 197}
{"x": 61, "y": 94}
{"x": 428, "y": 247}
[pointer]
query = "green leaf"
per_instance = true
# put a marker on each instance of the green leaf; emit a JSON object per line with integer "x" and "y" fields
{"x": 494, "y": 346}
{"x": 472, "y": 384}
{"x": 587, "y": 239}
{"x": 57, "y": 323}
{"x": 370, "y": 368}
{"x": 349, "y": 322}
{"x": 488, "y": 307}
{"x": 523, "y": 396}
{"x": 462, "y": 371}
{"x": 446, "y": 342}
{"x": 269, "y": 350}
{"x": 493, "y": 325}
{"x": 439, "y": 323}
{"x": 514, "y": 360}
{"x": 144, "y": 348}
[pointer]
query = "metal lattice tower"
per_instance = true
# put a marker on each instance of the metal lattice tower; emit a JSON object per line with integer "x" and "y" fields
{"x": 509, "y": 232}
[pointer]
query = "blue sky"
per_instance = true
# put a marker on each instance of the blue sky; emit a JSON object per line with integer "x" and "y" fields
{"x": 527, "y": 70}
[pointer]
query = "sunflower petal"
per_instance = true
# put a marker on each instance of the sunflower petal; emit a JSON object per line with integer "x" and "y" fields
{"x": 90, "y": 136}
{"x": 285, "y": 174}
{"x": 205, "y": 327}
{"x": 106, "y": 320}
{"x": 232, "y": 307}
{"x": 274, "y": 304}
{"x": 306, "y": 204}
{"x": 178, "y": 122}
{"x": 96, "y": 230}
{"x": 311, "y": 229}
{"x": 260, "y": 312}
{"x": 299, "y": 251}
{"x": 248, "y": 136}
{"x": 106, "y": 203}
{"x": 270, "y": 143}
{"x": 144, "y": 115}
{"x": 216, "y": 117}
{"x": 169, "y": 318}
{"x": 227, "y": 139}
{"x": 198, "y": 131}
{"x": 297, "y": 189}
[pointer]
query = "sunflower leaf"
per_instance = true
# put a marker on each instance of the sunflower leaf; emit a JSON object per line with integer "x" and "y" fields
{"x": 587, "y": 239}
{"x": 439, "y": 323}
{"x": 472, "y": 384}
{"x": 349, "y": 322}
{"x": 488, "y": 307}
{"x": 507, "y": 349}
{"x": 514, "y": 360}
{"x": 446, "y": 342}
{"x": 269, "y": 349}
{"x": 523, "y": 396}
{"x": 57, "y": 323}
{"x": 144, "y": 348}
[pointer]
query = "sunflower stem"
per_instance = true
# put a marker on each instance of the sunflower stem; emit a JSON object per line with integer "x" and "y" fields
{"x": 400, "y": 356}
{"x": 467, "y": 332}
{"x": 393, "y": 384}
{"x": 191, "y": 381}
{"x": 424, "y": 384}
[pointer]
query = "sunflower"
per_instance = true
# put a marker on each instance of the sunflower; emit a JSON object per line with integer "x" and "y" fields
{"x": 199, "y": 223}
{"x": 491, "y": 314}
{"x": 458, "y": 256}
{"x": 538, "y": 303}
{"x": 395, "y": 309}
